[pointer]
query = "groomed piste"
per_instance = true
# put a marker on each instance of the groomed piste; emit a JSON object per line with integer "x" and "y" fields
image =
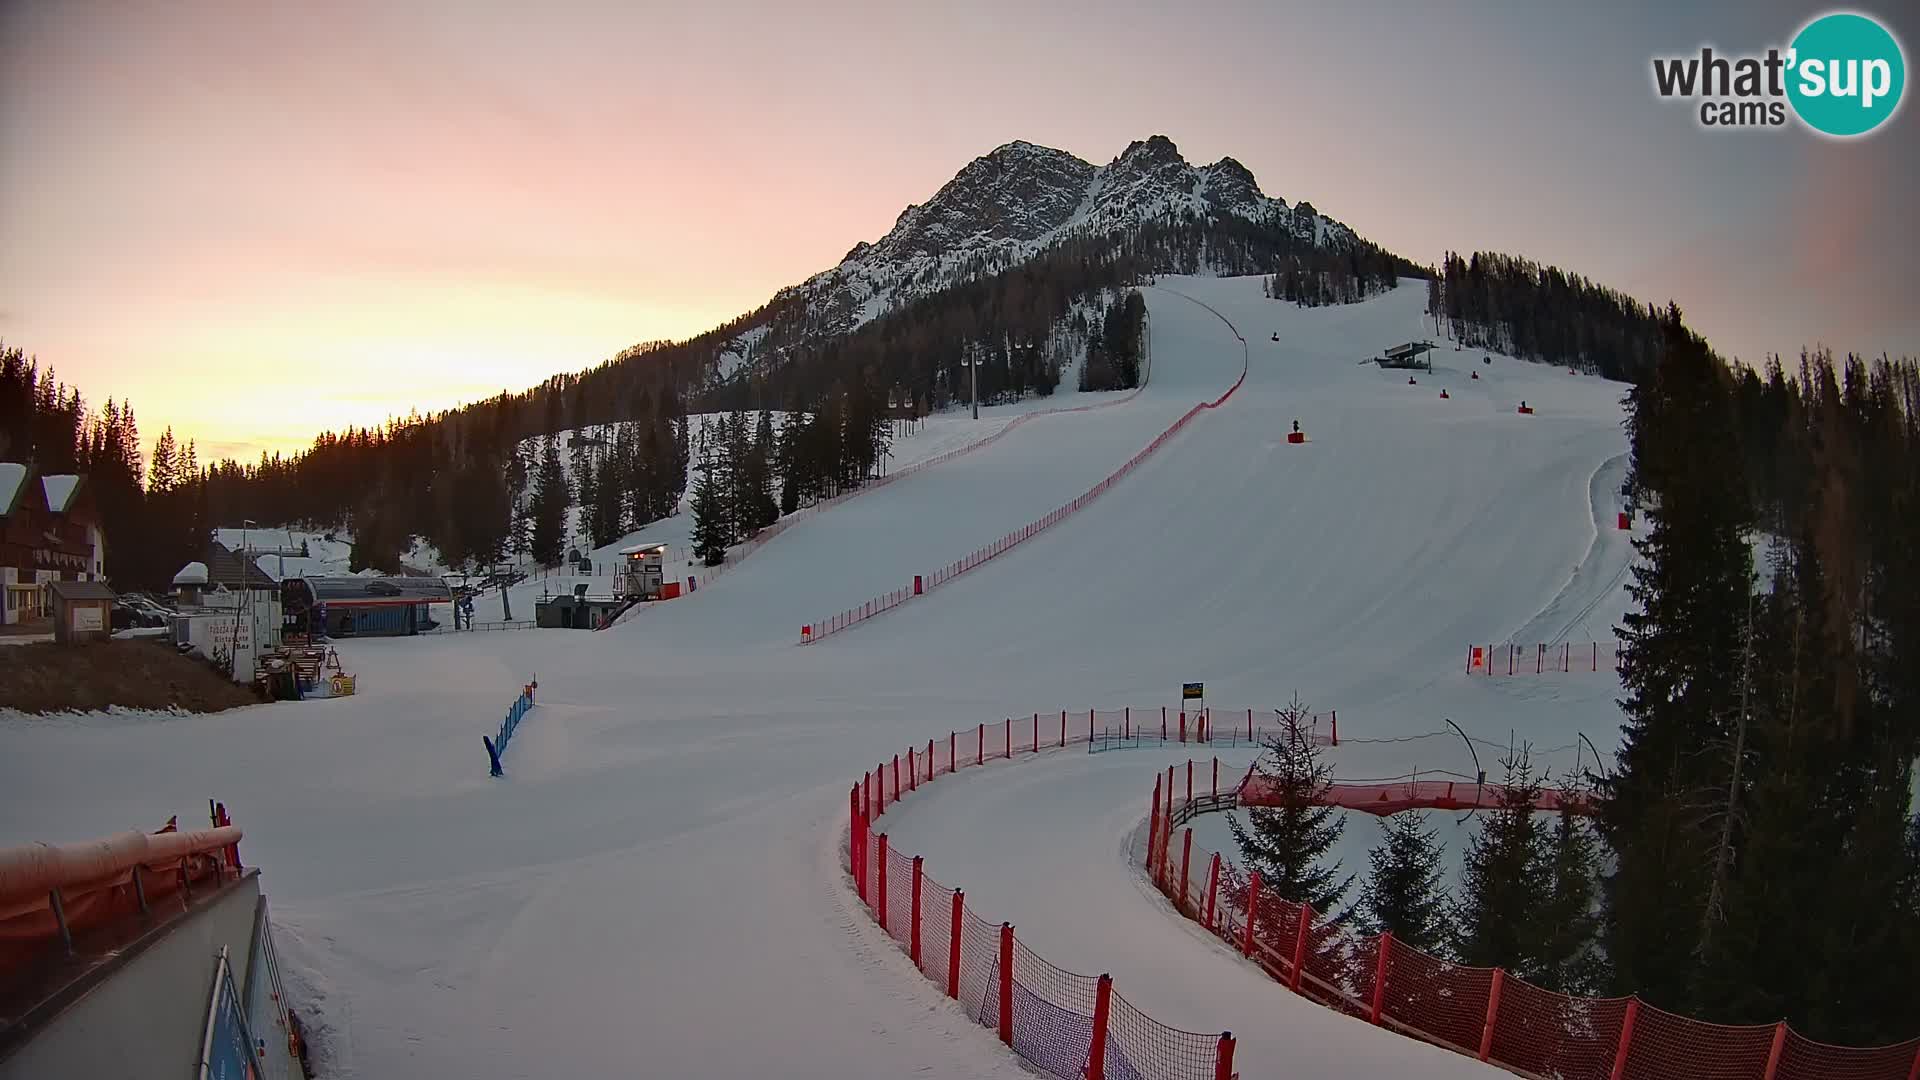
{"x": 657, "y": 874}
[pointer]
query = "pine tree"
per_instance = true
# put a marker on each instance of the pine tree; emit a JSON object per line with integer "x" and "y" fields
{"x": 1681, "y": 659}
{"x": 710, "y": 536}
{"x": 1504, "y": 884}
{"x": 1288, "y": 842}
{"x": 786, "y": 461}
{"x": 1568, "y": 924}
{"x": 1404, "y": 895}
{"x": 551, "y": 501}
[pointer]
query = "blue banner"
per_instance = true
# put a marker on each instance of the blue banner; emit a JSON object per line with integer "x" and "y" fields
{"x": 229, "y": 1046}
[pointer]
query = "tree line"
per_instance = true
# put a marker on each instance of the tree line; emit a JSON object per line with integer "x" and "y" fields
{"x": 438, "y": 476}
{"x": 750, "y": 479}
{"x": 1528, "y": 884}
{"x": 1757, "y": 852}
{"x": 1761, "y": 815}
{"x": 1516, "y": 306}
{"x": 154, "y": 514}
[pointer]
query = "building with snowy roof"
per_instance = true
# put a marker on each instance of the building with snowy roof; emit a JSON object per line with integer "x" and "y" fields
{"x": 49, "y": 531}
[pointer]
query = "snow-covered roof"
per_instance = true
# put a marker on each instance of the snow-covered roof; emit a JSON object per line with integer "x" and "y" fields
{"x": 11, "y": 475}
{"x": 59, "y": 490}
{"x": 237, "y": 538}
{"x": 194, "y": 573}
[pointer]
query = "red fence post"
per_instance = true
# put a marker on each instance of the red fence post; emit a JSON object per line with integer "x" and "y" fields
{"x": 1009, "y": 738}
{"x": 1493, "y": 1011}
{"x": 1153, "y": 825}
{"x": 1336, "y": 727}
{"x": 1773, "y": 1055}
{"x": 1914, "y": 1073}
{"x": 1300, "y": 948}
{"x": 953, "y": 756}
{"x": 953, "y": 944}
{"x": 933, "y": 767}
{"x": 1186, "y": 866}
{"x": 1189, "y": 781}
{"x": 1063, "y": 726}
{"x": 980, "y": 751}
{"x": 1213, "y": 886}
{"x": 1380, "y": 975}
{"x": 1216, "y": 777}
{"x": 1006, "y": 983}
{"x": 1223, "y": 1058}
{"x": 1097, "y": 1050}
{"x": 881, "y": 862}
{"x": 857, "y": 853}
{"x": 1626, "y": 1040}
{"x": 1126, "y": 722}
{"x": 880, "y": 788}
{"x": 1163, "y": 723}
{"x": 914, "y": 947}
{"x": 1253, "y": 911}
{"x": 1036, "y": 729}
{"x": 896, "y": 778}
{"x": 913, "y": 771}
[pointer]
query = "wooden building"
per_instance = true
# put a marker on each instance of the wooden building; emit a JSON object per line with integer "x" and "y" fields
{"x": 49, "y": 531}
{"x": 82, "y": 611}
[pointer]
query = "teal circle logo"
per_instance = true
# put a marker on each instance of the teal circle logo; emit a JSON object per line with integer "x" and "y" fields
{"x": 1846, "y": 74}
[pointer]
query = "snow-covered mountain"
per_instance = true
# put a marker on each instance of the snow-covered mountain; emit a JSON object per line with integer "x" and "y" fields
{"x": 1008, "y": 206}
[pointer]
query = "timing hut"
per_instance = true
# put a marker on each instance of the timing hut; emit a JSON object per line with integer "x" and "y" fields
{"x": 1407, "y": 355}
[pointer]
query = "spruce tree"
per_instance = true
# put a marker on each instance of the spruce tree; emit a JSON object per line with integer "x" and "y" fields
{"x": 1680, "y": 665}
{"x": 710, "y": 519}
{"x": 1504, "y": 885}
{"x": 786, "y": 461}
{"x": 1404, "y": 895}
{"x": 551, "y": 501}
{"x": 1288, "y": 842}
{"x": 1568, "y": 924}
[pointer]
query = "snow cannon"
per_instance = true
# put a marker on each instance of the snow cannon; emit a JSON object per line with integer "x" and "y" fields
{"x": 1411, "y": 381}
{"x": 1444, "y": 396}
{"x": 1487, "y": 359}
{"x": 1526, "y": 409}
{"x": 1476, "y": 375}
{"x": 1296, "y": 436}
{"x": 1276, "y": 335}
{"x": 1626, "y": 521}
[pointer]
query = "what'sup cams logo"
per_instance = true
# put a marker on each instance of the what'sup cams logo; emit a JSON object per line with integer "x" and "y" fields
{"x": 1843, "y": 75}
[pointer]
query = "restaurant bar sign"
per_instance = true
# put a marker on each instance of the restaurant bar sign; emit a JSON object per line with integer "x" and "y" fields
{"x": 1193, "y": 691}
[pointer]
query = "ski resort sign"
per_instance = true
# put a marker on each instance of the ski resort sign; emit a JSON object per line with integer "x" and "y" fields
{"x": 1843, "y": 75}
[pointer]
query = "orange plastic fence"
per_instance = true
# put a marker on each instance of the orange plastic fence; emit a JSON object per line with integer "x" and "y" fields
{"x": 1486, "y": 1013}
{"x": 1392, "y": 797}
{"x": 1065, "y": 1024}
{"x": 833, "y": 624}
{"x": 1542, "y": 659}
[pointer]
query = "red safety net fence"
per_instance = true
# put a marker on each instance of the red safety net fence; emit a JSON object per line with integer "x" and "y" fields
{"x": 1065, "y": 1024}
{"x": 1543, "y": 659}
{"x": 854, "y": 616}
{"x": 1484, "y": 1013}
{"x": 874, "y": 483}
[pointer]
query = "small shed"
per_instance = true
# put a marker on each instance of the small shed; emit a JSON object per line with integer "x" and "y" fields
{"x": 576, "y": 610}
{"x": 82, "y": 611}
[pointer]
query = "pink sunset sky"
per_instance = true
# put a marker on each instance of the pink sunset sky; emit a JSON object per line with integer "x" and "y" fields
{"x": 256, "y": 220}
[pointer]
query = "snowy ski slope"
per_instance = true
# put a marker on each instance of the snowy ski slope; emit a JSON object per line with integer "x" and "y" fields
{"x": 653, "y": 887}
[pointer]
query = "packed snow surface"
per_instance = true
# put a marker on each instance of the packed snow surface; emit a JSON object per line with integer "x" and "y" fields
{"x": 653, "y": 888}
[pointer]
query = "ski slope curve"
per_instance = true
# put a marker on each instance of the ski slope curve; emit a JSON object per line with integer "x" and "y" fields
{"x": 643, "y": 889}
{"x": 814, "y": 631}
